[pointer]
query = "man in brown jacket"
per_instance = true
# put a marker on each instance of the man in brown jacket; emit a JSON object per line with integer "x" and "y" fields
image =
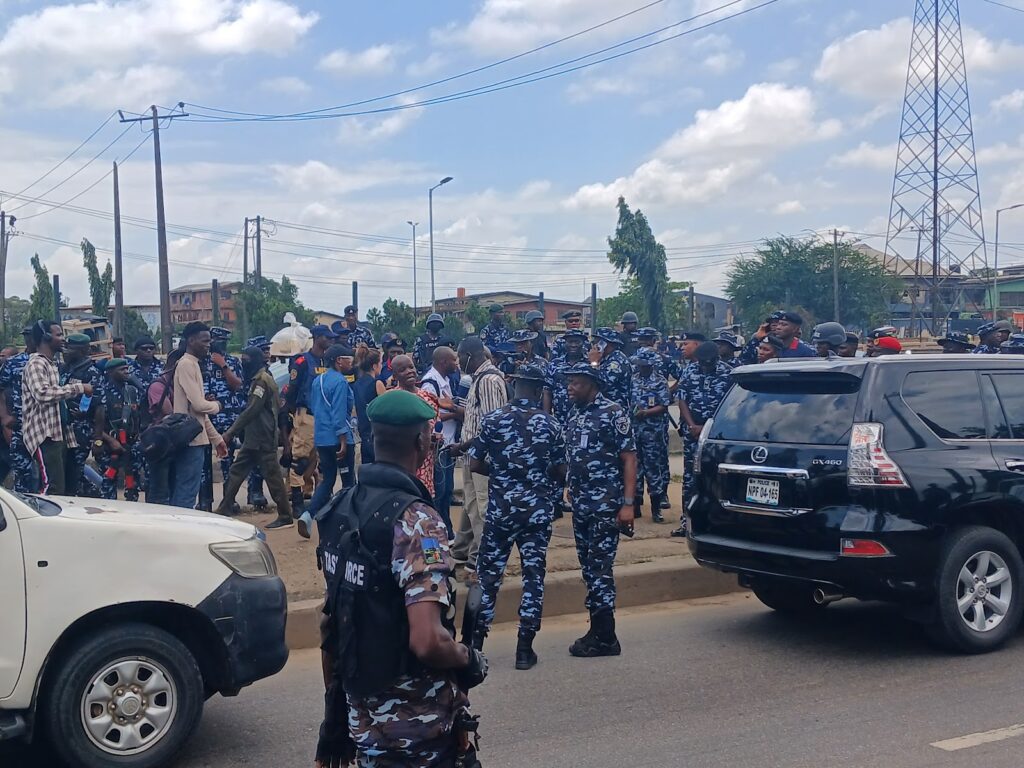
{"x": 189, "y": 398}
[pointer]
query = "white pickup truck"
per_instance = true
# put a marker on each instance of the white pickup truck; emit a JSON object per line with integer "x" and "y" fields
{"x": 118, "y": 620}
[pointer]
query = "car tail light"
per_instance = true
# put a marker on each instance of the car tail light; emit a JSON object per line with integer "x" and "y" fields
{"x": 869, "y": 464}
{"x": 700, "y": 444}
{"x": 863, "y": 548}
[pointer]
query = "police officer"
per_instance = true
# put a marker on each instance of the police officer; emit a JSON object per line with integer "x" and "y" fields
{"x": 647, "y": 338}
{"x": 392, "y": 345}
{"x": 222, "y": 381}
{"x": 629, "y": 324}
{"x": 602, "y": 482}
{"x": 396, "y": 678}
{"x": 956, "y": 343}
{"x": 556, "y": 400}
{"x": 827, "y": 339}
{"x": 535, "y": 322}
{"x": 254, "y": 495}
{"x": 78, "y": 367}
{"x": 26, "y": 472}
{"x": 522, "y": 450}
{"x": 423, "y": 349}
{"x": 650, "y": 401}
{"x": 701, "y": 390}
{"x": 145, "y": 367}
{"x": 524, "y": 350}
{"x": 118, "y": 424}
{"x": 689, "y": 342}
{"x": 299, "y": 450}
{"x": 991, "y": 336}
{"x": 1013, "y": 345}
{"x": 495, "y": 332}
{"x": 358, "y": 334}
{"x": 785, "y": 326}
{"x": 612, "y": 366}
{"x": 257, "y": 425}
{"x": 728, "y": 346}
{"x": 849, "y": 347}
{"x": 573, "y": 320}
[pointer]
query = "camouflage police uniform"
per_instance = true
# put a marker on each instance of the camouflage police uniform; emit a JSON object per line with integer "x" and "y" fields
{"x": 121, "y": 407}
{"x": 558, "y": 384}
{"x": 651, "y": 434}
{"x": 232, "y": 403}
{"x": 146, "y": 375}
{"x": 361, "y": 335}
{"x": 83, "y": 424}
{"x": 26, "y": 475}
{"x": 521, "y": 444}
{"x": 492, "y": 335}
{"x": 596, "y": 435}
{"x": 616, "y": 373}
{"x": 702, "y": 393}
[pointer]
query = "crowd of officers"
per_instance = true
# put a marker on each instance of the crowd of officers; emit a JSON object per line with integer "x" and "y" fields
{"x": 581, "y": 425}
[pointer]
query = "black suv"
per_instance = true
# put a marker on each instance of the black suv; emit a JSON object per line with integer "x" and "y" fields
{"x": 896, "y": 478}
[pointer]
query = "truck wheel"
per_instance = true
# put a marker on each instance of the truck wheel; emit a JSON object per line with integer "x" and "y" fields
{"x": 978, "y": 599}
{"x": 129, "y": 695}
{"x": 794, "y": 599}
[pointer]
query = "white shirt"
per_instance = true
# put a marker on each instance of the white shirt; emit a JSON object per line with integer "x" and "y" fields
{"x": 438, "y": 385}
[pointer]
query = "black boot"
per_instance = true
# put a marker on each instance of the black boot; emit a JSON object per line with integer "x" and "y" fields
{"x": 638, "y": 507}
{"x": 478, "y": 639}
{"x": 586, "y": 640}
{"x": 298, "y": 503}
{"x": 656, "y": 515}
{"x": 601, "y": 640}
{"x": 525, "y": 657}
{"x": 258, "y": 501}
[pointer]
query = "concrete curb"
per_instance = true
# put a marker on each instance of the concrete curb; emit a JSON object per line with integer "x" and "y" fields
{"x": 659, "y": 581}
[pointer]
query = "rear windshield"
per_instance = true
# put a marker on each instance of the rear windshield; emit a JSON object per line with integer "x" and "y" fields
{"x": 789, "y": 410}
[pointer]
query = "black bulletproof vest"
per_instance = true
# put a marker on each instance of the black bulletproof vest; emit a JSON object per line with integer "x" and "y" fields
{"x": 369, "y": 633}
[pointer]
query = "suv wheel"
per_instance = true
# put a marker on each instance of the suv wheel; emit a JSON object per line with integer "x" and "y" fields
{"x": 129, "y": 695}
{"x": 978, "y": 600}
{"x": 795, "y": 599}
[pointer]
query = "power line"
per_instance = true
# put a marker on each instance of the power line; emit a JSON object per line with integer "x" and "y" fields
{"x": 501, "y": 85}
{"x": 1004, "y": 5}
{"x": 452, "y": 78}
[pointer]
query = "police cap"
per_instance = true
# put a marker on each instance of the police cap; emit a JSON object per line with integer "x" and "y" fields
{"x": 435, "y": 318}
{"x": 504, "y": 348}
{"x": 27, "y": 330}
{"x": 889, "y": 342}
{"x": 530, "y": 373}
{"x": 534, "y": 314}
{"x": 881, "y": 333}
{"x": 115, "y": 363}
{"x": 521, "y": 336}
{"x": 79, "y": 339}
{"x": 645, "y": 356}
{"x": 647, "y": 333}
{"x": 693, "y": 336}
{"x": 338, "y": 328}
{"x": 776, "y": 315}
{"x": 1013, "y": 345}
{"x": 351, "y": 309}
{"x": 775, "y": 341}
{"x": 322, "y": 330}
{"x": 142, "y": 341}
{"x": 399, "y": 408}
{"x": 790, "y": 317}
{"x": 609, "y": 335}
{"x": 707, "y": 352}
{"x": 258, "y": 341}
{"x": 219, "y": 334}
{"x": 853, "y": 338}
{"x": 956, "y": 337}
{"x": 335, "y": 351}
{"x": 571, "y": 313}
{"x": 725, "y": 337}
{"x": 576, "y": 333}
{"x": 495, "y": 309}
{"x": 584, "y": 369}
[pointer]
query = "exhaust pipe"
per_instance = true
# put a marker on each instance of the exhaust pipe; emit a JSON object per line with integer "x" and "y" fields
{"x": 824, "y": 596}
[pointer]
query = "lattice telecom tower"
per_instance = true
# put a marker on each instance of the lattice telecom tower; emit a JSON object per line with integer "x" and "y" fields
{"x": 936, "y": 234}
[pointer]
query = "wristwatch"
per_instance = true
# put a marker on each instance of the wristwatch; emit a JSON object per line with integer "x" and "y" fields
{"x": 97, "y": 443}
{"x": 627, "y": 501}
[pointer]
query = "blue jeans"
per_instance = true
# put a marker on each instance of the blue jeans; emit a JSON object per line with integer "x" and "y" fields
{"x": 188, "y": 476}
{"x": 444, "y": 486}
{"x": 329, "y": 474}
{"x": 159, "y": 482}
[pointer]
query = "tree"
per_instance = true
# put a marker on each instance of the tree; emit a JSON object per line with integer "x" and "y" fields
{"x": 797, "y": 274}
{"x": 134, "y": 327}
{"x": 19, "y": 314}
{"x": 41, "y": 302}
{"x": 100, "y": 286}
{"x": 631, "y": 298}
{"x": 475, "y": 316}
{"x": 398, "y": 317}
{"x": 263, "y": 308}
{"x": 636, "y": 253}
{"x": 376, "y": 320}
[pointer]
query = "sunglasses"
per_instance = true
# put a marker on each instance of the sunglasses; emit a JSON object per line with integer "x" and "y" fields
{"x": 147, "y": 349}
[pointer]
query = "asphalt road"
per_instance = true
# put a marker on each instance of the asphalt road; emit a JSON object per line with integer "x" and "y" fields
{"x": 714, "y": 682}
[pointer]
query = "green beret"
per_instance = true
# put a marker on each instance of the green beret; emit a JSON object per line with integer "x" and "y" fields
{"x": 399, "y": 408}
{"x": 117, "y": 362}
{"x": 79, "y": 338}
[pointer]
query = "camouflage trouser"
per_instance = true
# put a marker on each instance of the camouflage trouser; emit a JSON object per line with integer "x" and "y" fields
{"x": 689, "y": 454}
{"x": 26, "y": 472}
{"x": 222, "y": 423}
{"x": 111, "y": 465}
{"x": 254, "y": 486}
{"x": 651, "y": 459}
{"x": 531, "y": 538}
{"x": 597, "y": 541}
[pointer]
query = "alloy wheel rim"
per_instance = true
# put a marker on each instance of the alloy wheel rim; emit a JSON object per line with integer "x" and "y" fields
{"x": 984, "y": 591}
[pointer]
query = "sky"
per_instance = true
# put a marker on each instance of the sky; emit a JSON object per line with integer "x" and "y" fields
{"x": 778, "y": 121}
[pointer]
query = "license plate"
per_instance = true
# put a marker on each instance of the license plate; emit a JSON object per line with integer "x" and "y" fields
{"x": 763, "y": 491}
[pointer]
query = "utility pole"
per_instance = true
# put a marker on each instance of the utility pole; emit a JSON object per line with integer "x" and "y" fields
{"x": 161, "y": 221}
{"x": 259, "y": 251}
{"x": 215, "y": 301}
{"x": 355, "y": 294}
{"x": 430, "y": 214}
{"x": 693, "y": 308}
{"x": 935, "y": 179}
{"x": 56, "y": 299}
{"x": 5, "y": 239}
{"x": 245, "y": 252}
{"x": 835, "y": 275}
{"x": 118, "y": 274}
{"x": 593, "y": 308}
{"x": 415, "y": 303}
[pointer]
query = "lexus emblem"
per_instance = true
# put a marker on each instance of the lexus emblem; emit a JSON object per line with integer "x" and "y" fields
{"x": 759, "y": 455}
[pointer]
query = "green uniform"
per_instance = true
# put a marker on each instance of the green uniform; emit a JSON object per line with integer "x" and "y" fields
{"x": 258, "y": 423}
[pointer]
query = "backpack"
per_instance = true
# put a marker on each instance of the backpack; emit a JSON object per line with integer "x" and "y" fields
{"x": 160, "y": 441}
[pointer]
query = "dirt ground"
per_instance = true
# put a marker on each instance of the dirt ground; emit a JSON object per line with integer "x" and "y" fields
{"x": 296, "y": 557}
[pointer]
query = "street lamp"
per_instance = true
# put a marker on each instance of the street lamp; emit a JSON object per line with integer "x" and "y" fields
{"x": 430, "y": 207}
{"x": 415, "y": 303}
{"x": 995, "y": 271}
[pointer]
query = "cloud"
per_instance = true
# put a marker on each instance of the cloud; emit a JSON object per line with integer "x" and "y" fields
{"x": 367, "y": 130}
{"x": 721, "y": 63}
{"x": 719, "y": 149}
{"x": 320, "y": 179}
{"x": 289, "y": 86}
{"x": 376, "y": 60}
{"x": 788, "y": 207}
{"x": 99, "y": 54}
{"x": 1011, "y": 102}
{"x": 866, "y": 155}
{"x": 431, "y": 65}
{"x": 591, "y": 88}
{"x": 872, "y": 64}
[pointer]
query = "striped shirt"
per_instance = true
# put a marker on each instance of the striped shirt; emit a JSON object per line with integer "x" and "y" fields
{"x": 42, "y": 402}
{"x": 486, "y": 394}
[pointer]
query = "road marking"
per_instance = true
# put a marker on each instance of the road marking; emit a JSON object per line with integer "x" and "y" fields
{"x": 977, "y": 739}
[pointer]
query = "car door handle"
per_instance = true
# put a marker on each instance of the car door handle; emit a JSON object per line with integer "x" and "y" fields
{"x": 1015, "y": 465}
